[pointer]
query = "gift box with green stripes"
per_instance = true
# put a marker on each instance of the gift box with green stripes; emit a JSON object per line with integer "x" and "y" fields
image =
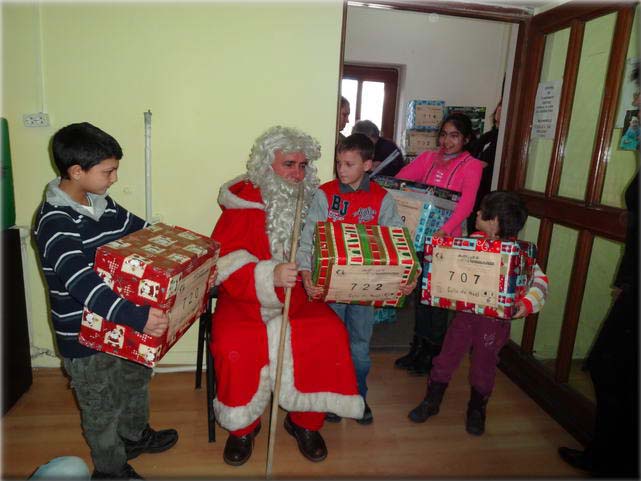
{"x": 363, "y": 264}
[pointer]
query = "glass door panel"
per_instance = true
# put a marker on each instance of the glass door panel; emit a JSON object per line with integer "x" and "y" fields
{"x": 559, "y": 270}
{"x": 621, "y": 162}
{"x": 597, "y": 301}
{"x": 593, "y": 65}
{"x": 540, "y": 150}
{"x": 530, "y": 232}
{"x": 372, "y": 100}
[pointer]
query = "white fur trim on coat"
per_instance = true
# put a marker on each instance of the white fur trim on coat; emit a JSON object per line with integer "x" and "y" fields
{"x": 291, "y": 399}
{"x": 230, "y": 263}
{"x": 232, "y": 201}
{"x": 264, "y": 283}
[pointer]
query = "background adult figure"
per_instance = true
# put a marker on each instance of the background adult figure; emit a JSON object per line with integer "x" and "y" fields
{"x": 484, "y": 149}
{"x": 343, "y": 117}
{"x": 383, "y": 148}
{"x": 255, "y": 231}
{"x": 454, "y": 168}
{"x": 614, "y": 367}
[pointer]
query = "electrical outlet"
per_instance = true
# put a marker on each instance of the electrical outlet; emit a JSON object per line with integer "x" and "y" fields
{"x": 39, "y": 119}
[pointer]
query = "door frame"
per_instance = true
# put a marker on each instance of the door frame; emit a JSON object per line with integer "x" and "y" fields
{"x": 551, "y": 390}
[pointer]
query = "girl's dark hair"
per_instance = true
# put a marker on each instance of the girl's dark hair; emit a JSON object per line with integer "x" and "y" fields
{"x": 463, "y": 124}
{"x": 508, "y": 208}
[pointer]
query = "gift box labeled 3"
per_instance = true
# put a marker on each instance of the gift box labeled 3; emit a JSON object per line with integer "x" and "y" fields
{"x": 473, "y": 274}
{"x": 169, "y": 268}
{"x": 424, "y": 208}
{"x": 363, "y": 264}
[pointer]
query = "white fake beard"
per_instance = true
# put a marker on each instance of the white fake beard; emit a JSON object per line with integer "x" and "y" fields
{"x": 280, "y": 197}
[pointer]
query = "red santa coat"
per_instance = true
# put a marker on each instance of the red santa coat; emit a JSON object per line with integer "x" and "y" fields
{"x": 318, "y": 373}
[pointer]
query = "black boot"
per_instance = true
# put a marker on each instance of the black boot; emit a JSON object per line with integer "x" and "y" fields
{"x": 431, "y": 404}
{"x": 127, "y": 472}
{"x": 423, "y": 362}
{"x": 408, "y": 359}
{"x": 475, "y": 418}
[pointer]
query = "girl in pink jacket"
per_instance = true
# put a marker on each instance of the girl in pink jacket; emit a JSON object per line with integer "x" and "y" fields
{"x": 451, "y": 167}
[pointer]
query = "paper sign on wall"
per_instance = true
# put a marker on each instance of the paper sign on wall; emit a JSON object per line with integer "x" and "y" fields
{"x": 546, "y": 109}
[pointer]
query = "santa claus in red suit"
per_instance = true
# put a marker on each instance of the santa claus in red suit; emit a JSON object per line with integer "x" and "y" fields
{"x": 255, "y": 229}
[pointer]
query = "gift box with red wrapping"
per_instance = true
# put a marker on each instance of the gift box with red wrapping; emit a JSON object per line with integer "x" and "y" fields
{"x": 169, "y": 268}
{"x": 478, "y": 275}
{"x": 363, "y": 264}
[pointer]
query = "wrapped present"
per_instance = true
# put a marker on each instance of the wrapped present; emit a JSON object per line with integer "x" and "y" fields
{"x": 418, "y": 141}
{"x": 478, "y": 275}
{"x": 384, "y": 315}
{"x": 425, "y": 115}
{"x": 424, "y": 208}
{"x": 363, "y": 264}
{"x": 169, "y": 268}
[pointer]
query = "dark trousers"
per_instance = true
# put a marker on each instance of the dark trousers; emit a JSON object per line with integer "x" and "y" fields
{"x": 485, "y": 337}
{"x": 613, "y": 365}
{"x": 113, "y": 397}
{"x": 430, "y": 323}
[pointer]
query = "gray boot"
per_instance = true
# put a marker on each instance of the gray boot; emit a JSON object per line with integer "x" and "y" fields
{"x": 431, "y": 404}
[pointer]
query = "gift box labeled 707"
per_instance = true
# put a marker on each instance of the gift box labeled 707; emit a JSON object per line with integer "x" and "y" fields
{"x": 363, "y": 264}
{"x": 478, "y": 275}
{"x": 169, "y": 268}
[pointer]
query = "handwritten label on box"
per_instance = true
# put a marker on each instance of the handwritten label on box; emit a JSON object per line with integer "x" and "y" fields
{"x": 364, "y": 283}
{"x": 418, "y": 141}
{"x": 467, "y": 276}
{"x": 428, "y": 115}
{"x": 189, "y": 298}
{"x": 410, "y": 208}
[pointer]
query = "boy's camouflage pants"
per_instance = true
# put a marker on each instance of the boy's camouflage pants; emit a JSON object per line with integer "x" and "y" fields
{"x": 113, "y": 397}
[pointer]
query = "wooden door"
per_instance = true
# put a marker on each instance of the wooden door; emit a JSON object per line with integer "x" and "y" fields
{"x": 572, "y": 177}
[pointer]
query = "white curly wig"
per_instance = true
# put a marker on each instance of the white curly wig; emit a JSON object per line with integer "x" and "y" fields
{"x": 278, "y": 195}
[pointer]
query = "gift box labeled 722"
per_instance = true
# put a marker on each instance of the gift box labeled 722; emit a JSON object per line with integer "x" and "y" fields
{"x": 363, "y": 264}
{"x": 169, "y": 268}
{"x": 478, "y": 275}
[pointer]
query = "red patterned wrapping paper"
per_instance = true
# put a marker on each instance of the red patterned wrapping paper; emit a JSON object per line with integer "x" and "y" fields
{"x": 477, "y": 275}
{"x": 166, "y": 267}
{"x": 363, "y": 264}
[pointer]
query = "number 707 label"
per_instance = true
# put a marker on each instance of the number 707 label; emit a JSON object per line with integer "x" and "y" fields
{"x": 467, "y": 276}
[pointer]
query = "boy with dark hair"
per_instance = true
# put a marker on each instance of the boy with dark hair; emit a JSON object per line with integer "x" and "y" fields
{"x": 76, "y": 217}
{"x": 350, "y": 199}
{"x": 502, "y": 215}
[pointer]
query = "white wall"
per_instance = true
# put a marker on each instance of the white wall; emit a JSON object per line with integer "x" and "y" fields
{"x": 458, "y": 60}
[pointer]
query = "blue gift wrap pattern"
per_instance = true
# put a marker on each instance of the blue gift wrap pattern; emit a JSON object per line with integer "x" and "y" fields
{"x": 425, "y": 115}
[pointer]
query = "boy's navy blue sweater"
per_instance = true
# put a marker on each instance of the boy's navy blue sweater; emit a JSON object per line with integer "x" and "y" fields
{"x": 67, "y": 236}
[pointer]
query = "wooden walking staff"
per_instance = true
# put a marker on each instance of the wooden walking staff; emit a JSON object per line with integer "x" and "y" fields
{"x": 273, "y": 419}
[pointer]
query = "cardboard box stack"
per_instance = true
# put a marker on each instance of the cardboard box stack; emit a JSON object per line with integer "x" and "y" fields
{"x": 363, "y": 264}
{"x": 423, "y": 120}
{"x": 477, "y": 275}
{"x": 169, "y": 268}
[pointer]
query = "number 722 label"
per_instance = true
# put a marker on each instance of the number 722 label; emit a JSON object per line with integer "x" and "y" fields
{"x": 365, "y": 283}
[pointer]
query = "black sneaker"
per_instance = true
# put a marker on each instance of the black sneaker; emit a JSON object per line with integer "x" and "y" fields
{"x": 127, "y": 472}
{"x": 150, "y": 442}
{"x": 368, "y": 417}
{"x": 332, "y": 418}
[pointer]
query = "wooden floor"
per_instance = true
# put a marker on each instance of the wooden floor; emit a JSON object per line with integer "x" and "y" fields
{"x": 520, "y": 440}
